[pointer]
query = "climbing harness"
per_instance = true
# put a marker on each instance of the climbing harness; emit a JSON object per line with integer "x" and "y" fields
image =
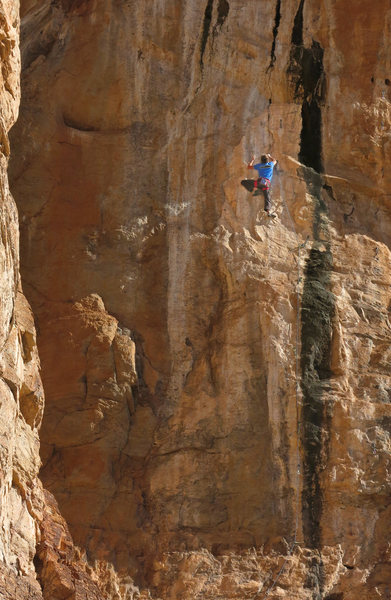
{"x": 294, "y": 542}
{"x": 262, "y": 183}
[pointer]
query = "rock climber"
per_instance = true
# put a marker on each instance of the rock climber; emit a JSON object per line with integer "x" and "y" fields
{"x": 265, "y": 174}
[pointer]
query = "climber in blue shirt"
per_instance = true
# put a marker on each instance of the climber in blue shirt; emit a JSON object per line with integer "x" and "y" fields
{"x": 265, "y": 174}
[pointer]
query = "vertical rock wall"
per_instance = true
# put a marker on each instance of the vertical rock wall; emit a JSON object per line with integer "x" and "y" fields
{"x": 21, "y": 399}
{"x": 38, "y": 560}
{"x": 175, "y": 320}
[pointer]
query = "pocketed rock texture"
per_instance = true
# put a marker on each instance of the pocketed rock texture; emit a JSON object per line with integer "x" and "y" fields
{"x": 218, "y": 415}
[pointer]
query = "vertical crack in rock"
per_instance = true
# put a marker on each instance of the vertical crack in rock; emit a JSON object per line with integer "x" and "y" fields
{"x": 277, "y": 20}
{"x": 205, "y": 30}
{"x": 307, "y": 76}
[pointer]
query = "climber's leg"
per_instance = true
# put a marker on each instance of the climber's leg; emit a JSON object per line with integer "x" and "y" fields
{"x": 268, "y": 204}
{"x": 268, "y": 200}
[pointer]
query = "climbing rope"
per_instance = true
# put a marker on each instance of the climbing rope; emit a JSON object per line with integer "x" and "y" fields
{"x": 294, "y": 542}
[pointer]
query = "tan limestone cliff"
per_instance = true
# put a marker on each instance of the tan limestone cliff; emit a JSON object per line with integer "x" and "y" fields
{"x": 217, "y": 384}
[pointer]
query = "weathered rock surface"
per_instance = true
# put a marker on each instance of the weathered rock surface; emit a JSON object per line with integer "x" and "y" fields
{"x": 21, "y": 399}
{"x": 175, "y": 322}
{"x": 37, "y": 561}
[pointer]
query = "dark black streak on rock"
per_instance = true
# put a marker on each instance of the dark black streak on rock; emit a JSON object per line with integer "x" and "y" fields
{"x": 329, "y": 191}
{"x": 311, "y": 135}
{"x": 306, "y": 74}
{"x": 222, "y": 12}
{"x": 318, "y": 305}
{"x": 277, "y": 20}
{"x": 317, "y": 315}
{"x": 297, "y": 32}
{"x": 205, "y": 30}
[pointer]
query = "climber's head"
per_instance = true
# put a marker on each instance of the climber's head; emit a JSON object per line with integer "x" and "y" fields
{"x": 264, "y": 158}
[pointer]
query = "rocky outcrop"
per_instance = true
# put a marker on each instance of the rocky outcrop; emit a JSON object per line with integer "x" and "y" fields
{"x": 217, "y": 384}
{"x": 62, "y": 570}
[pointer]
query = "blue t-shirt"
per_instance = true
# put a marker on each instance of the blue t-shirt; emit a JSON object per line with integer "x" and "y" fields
{"x": 265, "y": 170}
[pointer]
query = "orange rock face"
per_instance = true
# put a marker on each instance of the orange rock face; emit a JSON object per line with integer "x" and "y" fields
{"x": 217, "y": 383}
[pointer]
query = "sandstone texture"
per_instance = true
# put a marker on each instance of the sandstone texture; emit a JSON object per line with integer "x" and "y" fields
{"x": 218, "y": 408}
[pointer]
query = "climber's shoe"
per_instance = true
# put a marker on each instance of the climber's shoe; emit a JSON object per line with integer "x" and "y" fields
{"x": 271, "y": 214}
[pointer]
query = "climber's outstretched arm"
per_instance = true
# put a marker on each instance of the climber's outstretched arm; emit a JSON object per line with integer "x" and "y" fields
{"x": 250, "y": 164}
